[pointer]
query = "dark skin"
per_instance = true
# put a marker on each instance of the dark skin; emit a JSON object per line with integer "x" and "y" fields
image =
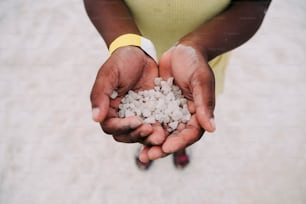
{"x": 112, "y": 18}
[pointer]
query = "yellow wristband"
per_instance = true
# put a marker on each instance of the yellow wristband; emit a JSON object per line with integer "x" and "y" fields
{"x": 134, "y": 40}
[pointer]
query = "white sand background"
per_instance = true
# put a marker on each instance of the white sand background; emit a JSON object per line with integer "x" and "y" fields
{"x": 52, "y": 153}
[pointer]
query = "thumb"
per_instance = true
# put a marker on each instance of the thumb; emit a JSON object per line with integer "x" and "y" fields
{"x": 100, "y": 97}
{"x": 100, "y": 106}
{"x": 165, "y": 64}
{"x": 203, "y": 92}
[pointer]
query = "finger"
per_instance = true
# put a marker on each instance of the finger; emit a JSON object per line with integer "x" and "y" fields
{"x": 142, "y": 131}
{"x": 143, "y": 154}
{"x": 100, "y": 106}
{"x": 100, "y": 95}
{"x": 118, "y": 126}
{"x": 203, "y": 91}
{"x": 125, "y": 139}
{"x": 158, "y": 135}
{"x": 156, "y": 152}
{"x": 135, "y": 136}
{"x": 145, "y": 134}
{"x": 181, "y": 139}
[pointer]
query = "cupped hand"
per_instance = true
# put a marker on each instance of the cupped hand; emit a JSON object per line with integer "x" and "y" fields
{"x": 191, "y": 72}
{"x": 128, "y": 68}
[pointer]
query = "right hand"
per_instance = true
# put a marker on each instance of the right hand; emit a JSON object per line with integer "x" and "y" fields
{"x": 128, "y": 68}
{"x": 192, "y": 73}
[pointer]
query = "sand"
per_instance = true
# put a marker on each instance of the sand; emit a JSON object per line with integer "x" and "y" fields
{"x": 52, "y": 152}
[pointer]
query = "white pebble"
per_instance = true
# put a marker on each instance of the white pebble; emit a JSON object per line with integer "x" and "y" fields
{"x": 173, "y": 125}
{"x": 157, "y": 81}
{"x": 114, "y": 95}
{"x": 149, "y": 120}
{"x": 164, "y": 104}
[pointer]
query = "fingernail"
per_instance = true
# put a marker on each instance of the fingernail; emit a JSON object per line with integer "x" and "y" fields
{"x": 213, "y": 124}
{"x": 143, "y": 134}
{"x": 158, "y": 140}
{"x": 95, "y": 114}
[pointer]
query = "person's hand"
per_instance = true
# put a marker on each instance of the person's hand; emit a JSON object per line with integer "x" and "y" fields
{"x": 191, "y": 72}
{"x": 128, "y": 68}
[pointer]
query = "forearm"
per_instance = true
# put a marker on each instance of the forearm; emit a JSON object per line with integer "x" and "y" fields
{"x": 230, "y": 29}
{"x": 111, "y": 18}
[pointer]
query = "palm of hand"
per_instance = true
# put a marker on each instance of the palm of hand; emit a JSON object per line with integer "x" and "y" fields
{"x": 127, "y": 69}
{"x": 194, "y": 76}
{"x": 131, "y": 70}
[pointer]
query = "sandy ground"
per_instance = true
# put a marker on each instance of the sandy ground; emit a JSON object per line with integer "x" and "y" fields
{"x": 52, "y": 152}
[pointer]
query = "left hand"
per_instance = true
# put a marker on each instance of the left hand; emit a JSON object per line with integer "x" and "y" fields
{"x": 191, "y": 72}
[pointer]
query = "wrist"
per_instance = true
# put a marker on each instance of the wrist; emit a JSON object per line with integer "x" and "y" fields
{"x": 134, "y": 40}
{"x": 196, "y": 45}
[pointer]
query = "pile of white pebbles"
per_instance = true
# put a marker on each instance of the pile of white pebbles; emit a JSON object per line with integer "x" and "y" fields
{"x": 164, "y": 104}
